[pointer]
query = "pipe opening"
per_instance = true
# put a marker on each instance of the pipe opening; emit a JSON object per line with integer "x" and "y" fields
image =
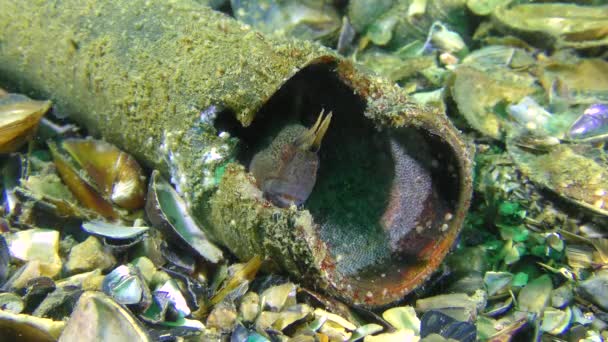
{"x": 384, "y": 197}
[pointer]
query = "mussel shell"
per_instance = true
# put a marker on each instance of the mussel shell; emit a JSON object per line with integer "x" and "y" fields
{"x": 571, "y": 171}
{"x": 20, "y": 327}
{"x": 168, "y": 212}
{"x": 97, "y": 317}
{"x": 5, "y": 259}
{"x": 19, "y": 117}
{"x": 36, "y": 291}
{"x": 58, "y": 305}
{"x": 435, "y": 322}
{"x": 11, "y": 302}
{"x": 112, "y": 231}
{"x": 100, "y": 175}
{"x": 555, "y": 25}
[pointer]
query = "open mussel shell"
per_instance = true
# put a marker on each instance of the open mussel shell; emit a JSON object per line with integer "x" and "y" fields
{"x": 19, "y": 117}
{"x": 394, "y": 181}
{"x": 115, "y": 236}
{"x": 168, "y": 212}
{"x": 100, "y": 175}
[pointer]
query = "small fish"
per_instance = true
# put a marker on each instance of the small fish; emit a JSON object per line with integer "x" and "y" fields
{"x": 592, "y": 124}
{"x": 286, "y": 171}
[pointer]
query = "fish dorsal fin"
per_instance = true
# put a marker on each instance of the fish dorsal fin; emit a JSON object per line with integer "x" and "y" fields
{"x": 311, "y": 139}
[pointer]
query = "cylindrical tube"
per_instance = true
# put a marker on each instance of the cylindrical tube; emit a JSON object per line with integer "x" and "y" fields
{"x": 193, "y": 93}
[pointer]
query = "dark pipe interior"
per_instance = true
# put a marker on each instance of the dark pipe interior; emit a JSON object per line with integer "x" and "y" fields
{"x": 358, "y": 165}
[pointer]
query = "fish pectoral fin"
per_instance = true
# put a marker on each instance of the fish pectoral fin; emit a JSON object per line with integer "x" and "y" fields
{"x": 311, "y": 139}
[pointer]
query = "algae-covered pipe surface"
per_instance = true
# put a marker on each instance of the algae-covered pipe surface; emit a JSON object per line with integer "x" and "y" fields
{"x": 192, "y": 92}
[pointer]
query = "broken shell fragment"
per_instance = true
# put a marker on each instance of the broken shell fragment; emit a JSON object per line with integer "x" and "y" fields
{"x": 19, "y": 117}
{"x": 276, "y": 298}
{"x": 174, "y": 296}
{"x": 459, "y": 306}
{"x": 22, "y": 276}
{"x": 436, "y": 322}
{"x": 40, "y": 245}
{"x": 492, "y": 89}
{"x": 592, "y": 124}
{"x": 100, "y": 175}
{"x": 168, "y": 212}
{"x": 126, "y": 285}
{"x": 241, "y": 277}
{"x": 556, "y": 321}
{"x": 97, "y": 317}
{"x": 403, "y": 191}
{"x": 403, "y": 317}
{"x": 249, "y": 307}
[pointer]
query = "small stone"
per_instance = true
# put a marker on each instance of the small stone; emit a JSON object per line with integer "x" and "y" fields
{"x": 89, "y": 255}
{"x": 561, "y": 296}
{"x": 93, "y": 283}
{"x": 250, "y": 307}
{"x": 146, "y": 267}
{"x": 403, "y": 317}
{"x": 266, "y": 319}
{"x": 222, "y": 317}
{"x": 278, "y": 297}
{"x": 594, "y": 289}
